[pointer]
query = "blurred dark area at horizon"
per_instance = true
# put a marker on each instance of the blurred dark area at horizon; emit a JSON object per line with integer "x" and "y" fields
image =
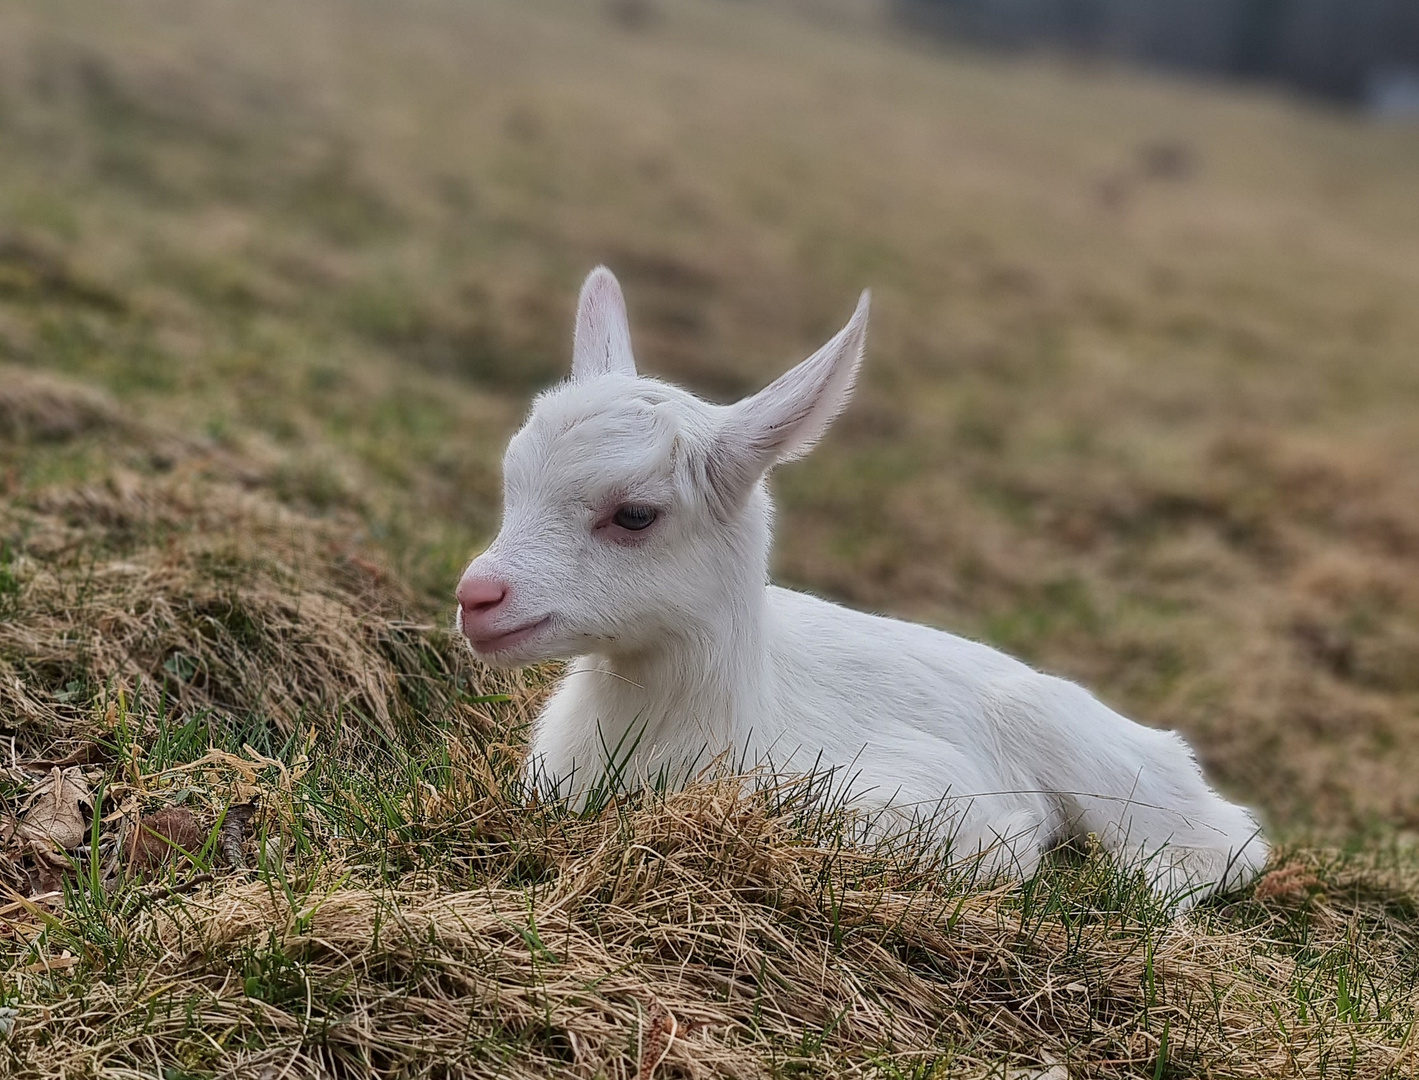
{"x": 1361, "y": 52}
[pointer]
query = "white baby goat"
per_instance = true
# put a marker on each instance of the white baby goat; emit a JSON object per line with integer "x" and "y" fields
{"x": 635, "y": 538}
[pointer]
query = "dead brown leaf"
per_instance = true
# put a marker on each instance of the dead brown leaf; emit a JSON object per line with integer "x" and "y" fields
{"x": 86, "y": 753}
{"x": 162, "y": 837}
{"x": 59, "y": 809}
{"x": 46, "y": 868}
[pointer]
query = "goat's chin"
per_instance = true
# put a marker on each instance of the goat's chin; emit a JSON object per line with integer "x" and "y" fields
{"x": 517, "y": 648}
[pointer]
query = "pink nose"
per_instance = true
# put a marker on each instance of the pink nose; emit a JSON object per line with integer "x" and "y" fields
{"x": 479, "y": 597}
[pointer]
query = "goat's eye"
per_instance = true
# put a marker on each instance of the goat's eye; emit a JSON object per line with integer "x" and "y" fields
{"x": 634, "y": 518}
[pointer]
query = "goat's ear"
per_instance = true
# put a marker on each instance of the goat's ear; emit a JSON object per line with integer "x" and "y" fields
{"x": 602, "y": 344}
{"x": 783, "y": 421}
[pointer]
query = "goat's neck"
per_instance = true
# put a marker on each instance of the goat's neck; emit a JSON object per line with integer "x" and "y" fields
{"x": 706, "y": 682}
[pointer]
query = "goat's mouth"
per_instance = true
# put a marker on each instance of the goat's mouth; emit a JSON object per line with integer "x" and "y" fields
{"x": 500, "y": 643}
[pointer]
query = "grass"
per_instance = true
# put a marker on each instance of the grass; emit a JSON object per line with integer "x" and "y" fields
{"x": 277, "y": 282}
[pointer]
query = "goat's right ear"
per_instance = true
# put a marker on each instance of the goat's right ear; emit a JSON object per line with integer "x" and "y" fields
{"x": 602, "y": 343}
{"x": 783, "y": 421}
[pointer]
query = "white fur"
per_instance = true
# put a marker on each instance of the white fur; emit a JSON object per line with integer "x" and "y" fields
{"x": 685, "y": 652}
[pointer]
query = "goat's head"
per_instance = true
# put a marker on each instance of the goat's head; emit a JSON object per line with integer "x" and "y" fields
{"x": 632, "y": 508}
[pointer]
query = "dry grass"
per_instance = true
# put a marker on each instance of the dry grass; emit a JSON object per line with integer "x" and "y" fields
{"x": 461, "y": 932}
{"x": 276, "y": 282}
{"x": 228, "y": 602}
{"x": 223, "y": 600}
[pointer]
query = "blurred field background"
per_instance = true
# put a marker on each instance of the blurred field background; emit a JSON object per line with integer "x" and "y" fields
{"x": 278, "y": 280}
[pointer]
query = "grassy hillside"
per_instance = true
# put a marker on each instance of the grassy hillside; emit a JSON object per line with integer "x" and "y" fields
{"x": 277, "y": 281}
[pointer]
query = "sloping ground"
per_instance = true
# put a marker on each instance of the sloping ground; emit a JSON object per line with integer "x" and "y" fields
{"x": 297, "y": 842}
{"x": 275, "y": 283}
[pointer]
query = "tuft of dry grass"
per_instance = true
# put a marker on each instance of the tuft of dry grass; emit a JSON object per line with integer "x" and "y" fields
{"x": 228, "y": 602}
{"x": 191, "y": 584}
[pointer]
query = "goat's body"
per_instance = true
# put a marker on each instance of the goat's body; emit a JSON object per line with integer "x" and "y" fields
{"x": 636, "y": 536}
{"x": 1008, "y": 761}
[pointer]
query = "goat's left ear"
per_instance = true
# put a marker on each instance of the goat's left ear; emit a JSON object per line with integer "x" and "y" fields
{"x": 783, "y": 421}
{"x": 602, "y": 345}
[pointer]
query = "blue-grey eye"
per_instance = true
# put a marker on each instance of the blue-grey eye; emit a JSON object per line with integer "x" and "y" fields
{"x": 634, "y": 518}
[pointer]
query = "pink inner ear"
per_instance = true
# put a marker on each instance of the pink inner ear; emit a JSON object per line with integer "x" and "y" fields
{"x": 602, "y": 342}
{"x": 785, "y": 419}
